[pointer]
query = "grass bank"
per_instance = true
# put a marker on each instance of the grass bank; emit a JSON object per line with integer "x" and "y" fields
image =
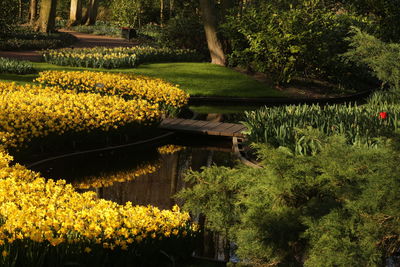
{"x": 197, "y": 79}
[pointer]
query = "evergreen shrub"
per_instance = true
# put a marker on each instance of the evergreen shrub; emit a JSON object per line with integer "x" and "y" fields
{"x": 337, "y": 207}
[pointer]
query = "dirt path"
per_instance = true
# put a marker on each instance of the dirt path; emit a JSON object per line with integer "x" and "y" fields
{"x": 84, "y": 40}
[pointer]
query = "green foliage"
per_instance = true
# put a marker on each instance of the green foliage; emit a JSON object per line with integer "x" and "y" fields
{"x": 184, "y": 31}
{"x": 8, "y": 18}
{"x": 287, "y": 40}
{"x": 14, "y": 66}
{"x": 133, "y": 13}
{"x": 385, "y": 14}
{"x": 360, "y": 124}
{"x": 382, "y": 58}
{"x": 322, "y": 209}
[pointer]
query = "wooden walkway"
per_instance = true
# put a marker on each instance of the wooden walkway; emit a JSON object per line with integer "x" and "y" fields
{"x": 203, "y": 127}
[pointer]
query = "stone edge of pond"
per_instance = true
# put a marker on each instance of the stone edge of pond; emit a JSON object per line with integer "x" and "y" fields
{"x": 220, "y": 100}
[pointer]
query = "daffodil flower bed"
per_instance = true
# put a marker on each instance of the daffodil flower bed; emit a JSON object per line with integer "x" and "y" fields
{"x": 154, "y": 90}
{"x": 48, "y": 223}
{"x": 102, "y": 57}
{"x": 38, "y": 216}
{"x": 29, "y": 112}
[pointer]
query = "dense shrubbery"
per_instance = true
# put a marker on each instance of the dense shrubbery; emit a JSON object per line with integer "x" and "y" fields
{"x": 283, "y": 40}
{"x": 335, "y": 208}
{"x": 382, "y": 58}
{"x": 100, "y": 57}
{"x": 15, "y": 66}
{"x": 8, "y": 19}
{"x": 185, "y": 31}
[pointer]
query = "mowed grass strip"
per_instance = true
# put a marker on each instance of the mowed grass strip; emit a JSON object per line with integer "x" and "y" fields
{"x": 197, "y": 79}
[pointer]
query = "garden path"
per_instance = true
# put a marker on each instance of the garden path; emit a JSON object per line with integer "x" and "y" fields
{"x": 84, "y": 40}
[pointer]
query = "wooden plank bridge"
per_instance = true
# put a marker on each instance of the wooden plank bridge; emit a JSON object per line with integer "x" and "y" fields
{"x": 203, "y": 127}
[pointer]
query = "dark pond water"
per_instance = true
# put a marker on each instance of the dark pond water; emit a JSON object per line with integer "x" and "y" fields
{"x": 142, "y": 174}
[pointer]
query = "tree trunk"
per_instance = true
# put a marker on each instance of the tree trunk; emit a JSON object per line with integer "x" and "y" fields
{"x": 32, "y": 12}
{"x": 47, "y": 18}
{"x": 161, "y": 12}
{"x": 91, "y": 12}
{"x": 209, "y": 15}
{"x": 171, "y": 8}
{"x": 75, "y": 14}
{"x": 20, "y": 10}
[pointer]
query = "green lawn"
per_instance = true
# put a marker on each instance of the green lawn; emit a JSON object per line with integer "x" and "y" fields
{"x": 203, "y": 79}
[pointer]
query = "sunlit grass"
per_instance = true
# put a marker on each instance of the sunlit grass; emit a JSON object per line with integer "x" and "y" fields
{"x": 197, "y": 79}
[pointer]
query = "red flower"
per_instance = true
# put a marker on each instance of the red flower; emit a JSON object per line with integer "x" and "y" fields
{"x": 383, "y": 115}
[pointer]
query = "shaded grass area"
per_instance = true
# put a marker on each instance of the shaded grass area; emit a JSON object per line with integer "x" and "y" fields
{"x": 197, "y": 79}
{"x": 222, "y": 109}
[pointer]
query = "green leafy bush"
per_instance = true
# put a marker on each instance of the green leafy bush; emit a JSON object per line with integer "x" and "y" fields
{"x": 315, "y": 210}
{"x": 101, "y": 57}
{"x": 15, "y": 66}
{"x": 287, "y": 40}
{"x": 382, "y": 58}
{"x": 8, "y": 19}
{"x": 385, "y": 14}
{"x": 185, "y": 31}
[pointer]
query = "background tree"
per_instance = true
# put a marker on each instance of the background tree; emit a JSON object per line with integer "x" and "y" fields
{"x": 75, "y": 15}
{"x": 33, "y": 9}
{"x": 210, "y": 21}
{"x": 47, "y": 18}
{"x": 91, "y": 12}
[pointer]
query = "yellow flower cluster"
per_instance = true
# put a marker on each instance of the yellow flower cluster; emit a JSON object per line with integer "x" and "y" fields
{"x": 49, "y": 211}
{"x": 125, "y": 85}
{"x": 39, "y": 211}
{"x": 34, "y": 111}
{"x": 170, "y": 149}
{"x": 105, "y": 180}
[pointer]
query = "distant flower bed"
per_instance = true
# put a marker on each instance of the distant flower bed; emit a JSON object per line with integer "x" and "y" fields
{"x": 101, "y": 57}
{"x": 154, "y": 90}
{"x": 15, "y": 66}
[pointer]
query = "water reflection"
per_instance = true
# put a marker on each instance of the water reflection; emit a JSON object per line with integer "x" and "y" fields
{"x": 148, "y": 175}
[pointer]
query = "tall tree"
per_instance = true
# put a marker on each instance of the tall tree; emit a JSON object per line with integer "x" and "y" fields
{"x": 91, "y": 12}
{"x": 162, "y": 12}
{"x": 47, "y": 18}
{"x": 75, "y": 14}
{"x": 32, "y": 11}
{"x": 210, "y": 21}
